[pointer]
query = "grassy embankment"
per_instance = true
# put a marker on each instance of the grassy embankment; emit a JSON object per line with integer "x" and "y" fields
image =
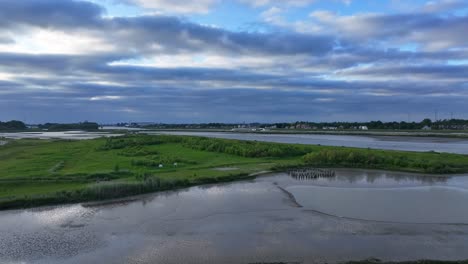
{"x": 39, "y": 172}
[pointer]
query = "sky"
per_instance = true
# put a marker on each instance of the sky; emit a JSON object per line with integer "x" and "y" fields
{"x": 196, "y": 61}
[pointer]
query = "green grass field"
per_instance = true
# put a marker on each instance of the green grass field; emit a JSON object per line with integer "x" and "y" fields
{"x": 38, "y": 172}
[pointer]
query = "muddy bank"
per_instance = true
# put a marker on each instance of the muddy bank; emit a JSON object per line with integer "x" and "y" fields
{"x": 254, "y": 221}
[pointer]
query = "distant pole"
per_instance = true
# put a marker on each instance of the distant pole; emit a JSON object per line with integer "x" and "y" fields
{"x": 451, "y": 115}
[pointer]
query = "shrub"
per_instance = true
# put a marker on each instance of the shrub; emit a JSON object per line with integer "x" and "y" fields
{"x": 375, "y": 159}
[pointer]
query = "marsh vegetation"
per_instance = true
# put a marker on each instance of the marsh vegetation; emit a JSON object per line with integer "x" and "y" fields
{"x": 37, "y": 172}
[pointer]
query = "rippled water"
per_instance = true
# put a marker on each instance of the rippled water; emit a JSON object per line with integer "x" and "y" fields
{"x": 450, "y": 145}
{"x": 357, "y": 214}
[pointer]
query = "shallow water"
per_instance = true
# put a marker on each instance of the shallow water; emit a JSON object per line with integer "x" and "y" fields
{"x": 78, "y": 135}
{"x": 449, "y": 145}
{"x": 274, "y": 218}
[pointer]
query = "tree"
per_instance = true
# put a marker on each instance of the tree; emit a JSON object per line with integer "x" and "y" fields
{"x": 426, "y": 122}
{"x": 12, "y": 125}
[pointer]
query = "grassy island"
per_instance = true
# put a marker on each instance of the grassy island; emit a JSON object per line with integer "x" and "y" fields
{"x": 40, "y": 172}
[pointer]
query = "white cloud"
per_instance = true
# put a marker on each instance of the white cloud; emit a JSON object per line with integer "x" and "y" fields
{"x": 325, "y": 100}
{"x": 177, "y": 6}
{"x": 294, "y": 3}
{"x": 273, "y": 16}
{"x": 45, "y": 41}
{"x": 431, "y": 32}
{"x": 6, "y": 76}
{"x": 106, "y": 98}
{"x": 443, "y": 5}
{"x": 259, "y": 3}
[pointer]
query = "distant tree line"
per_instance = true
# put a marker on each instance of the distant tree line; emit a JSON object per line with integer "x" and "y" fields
{"x": 12, "y": 125}
{"x": 186, "y": 126}
{"x": 76, "y": 126}
{"x": 453, "y": 124}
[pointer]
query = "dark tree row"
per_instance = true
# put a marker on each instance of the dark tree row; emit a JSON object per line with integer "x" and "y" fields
{"x": 12, "y": 125}
{"x": 77, "y": 126}
{"x": 455, "y": 124}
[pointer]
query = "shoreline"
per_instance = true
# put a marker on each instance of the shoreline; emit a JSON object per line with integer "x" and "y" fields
{"x": 41, "y": 202}
{"x": 406, "y": 133}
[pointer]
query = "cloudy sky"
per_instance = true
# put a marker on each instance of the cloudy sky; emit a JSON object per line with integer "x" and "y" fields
{"x": 232, "y": 60}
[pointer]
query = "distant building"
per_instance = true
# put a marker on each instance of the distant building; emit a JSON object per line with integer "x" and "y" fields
{"x": 426, "y": 128}
{"x": 302, "y": 126}
{"x": 363, "y": 128}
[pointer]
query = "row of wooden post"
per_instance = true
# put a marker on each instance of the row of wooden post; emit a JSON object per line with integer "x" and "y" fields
{"x": 311, "y": 173}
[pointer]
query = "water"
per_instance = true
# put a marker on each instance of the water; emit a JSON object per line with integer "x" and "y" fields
{"x": 449, "y": 145}
{"x": 77, "y": 135}
{"x": 357, "y": 214}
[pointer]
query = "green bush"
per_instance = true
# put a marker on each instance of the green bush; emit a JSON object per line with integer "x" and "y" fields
{"x": 375, "y": 159}
{"x": 130, "y": 142}
{"x": 251, "y": 149}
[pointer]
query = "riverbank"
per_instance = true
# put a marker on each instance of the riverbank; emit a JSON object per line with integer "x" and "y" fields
{"x": 418, "y": 144}
{"x": 43, "y": 172}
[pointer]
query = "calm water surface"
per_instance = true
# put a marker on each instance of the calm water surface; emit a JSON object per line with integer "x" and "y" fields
{"x": 357, "y": 214}
{"x": 450, "y": 145}
{"x": 78, "y": 135}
